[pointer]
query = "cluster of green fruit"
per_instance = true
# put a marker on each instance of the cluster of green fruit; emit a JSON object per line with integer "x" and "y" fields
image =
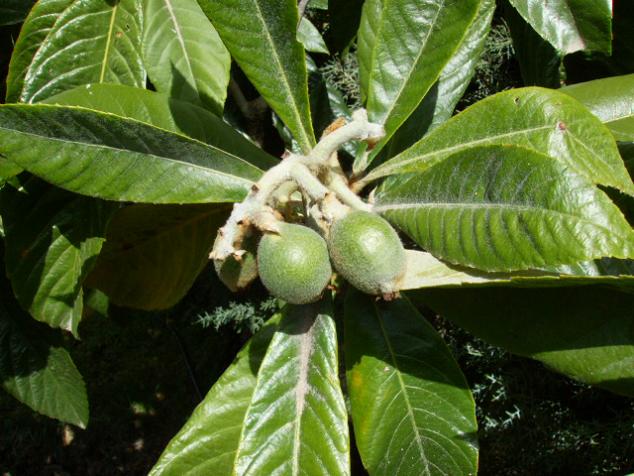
{"x": 294, "y": 264}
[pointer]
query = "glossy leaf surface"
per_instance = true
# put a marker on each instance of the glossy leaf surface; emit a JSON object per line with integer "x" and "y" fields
{"x": 32, "y": 34}
{"x": 120, "y": 159}
{"x": 309, "y": 36}
{"x": 261, "y": 36}
{"x": 92, "y": 41}
{"x": 153, "y": 253}
{"x": 402, "y": 49}
{"x": 34, "y": 368}
{"x": 167, "y": 113}
{"x": 504, "y": 208}
{"x": 570, "y": 25}
{"x": 439, "y": 103}
{"x": 544, "y": 120}
{"x": 208, "y": 442}
{"x": 296, "y": 422}
{"x": 611, "y": 100}
{"x": 183, "y": 54}
{"x": 586, "y": 333}
{"x": 412, "y": 409}
{"x": 52, "y": 238}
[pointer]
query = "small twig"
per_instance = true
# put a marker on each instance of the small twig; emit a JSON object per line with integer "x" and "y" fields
{"x": 357, "y": 129}
{"x": 302, "y": 170}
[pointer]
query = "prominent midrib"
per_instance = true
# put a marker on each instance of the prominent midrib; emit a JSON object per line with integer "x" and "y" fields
{"x": 181, "y": 41}
{"x": 161, "y": 157}
{"x": 282, "y": 71}
{"x": 410, "y": 411}
{"x": 301, "y": 390}
{"x": 106, "y": 53}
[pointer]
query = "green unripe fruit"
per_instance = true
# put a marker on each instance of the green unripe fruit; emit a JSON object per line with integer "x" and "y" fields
{"x": 367, "y": 252}
{"x": 294, "y": 264}
{"x": 238, "y": 274}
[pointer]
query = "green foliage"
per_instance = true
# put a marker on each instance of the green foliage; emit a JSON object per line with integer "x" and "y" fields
{"x": 241, "y": 316}
{"x": 132, "y": 153}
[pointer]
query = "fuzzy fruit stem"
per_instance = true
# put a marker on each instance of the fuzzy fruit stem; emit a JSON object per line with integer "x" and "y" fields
{"x": 303, "y": 170}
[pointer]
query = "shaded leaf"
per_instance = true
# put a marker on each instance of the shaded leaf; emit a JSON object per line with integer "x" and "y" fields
{"x": 586, "y": 332}
{"x": 344, "y": 18}
{"x": 208, "y": 442}
{"x": 153, "y": 253}
{"x": 402, "y": 49}
{"x": 570, "y": 25}
{"x": 34, "y": 368}
{"x": 539, "y": 61}
{"x": 34, "y": 31}
{"x": 412, "y": 409}
{"x": 543, "y": 120}
{"x": 167, "y": 113}
{"x": 261, "y": 36}
{"x": 14, "y": 11}
{"x": 183, "y": 54}
{"x": 111, "y": 157}
{"x": 504, "y": 208}
{"x": 52, "y": 239}
{"x": 92, "y": 41}
{"x": 611, "y": 100}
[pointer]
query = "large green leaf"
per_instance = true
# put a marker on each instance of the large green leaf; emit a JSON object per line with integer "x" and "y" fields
{"x": 52, "y": 239}
{"x": 153, "y": 253}
{"x": 167, "y": 113}
{"x": 121, "y": 159}
{"x": 32, "y": 34}
{"x": 544, "y": 120}
{"x": 426, "y": 271}
{"x": 261, "y": 36}
{"x": 183, "y": 54}
{"x": 504, "y": 208}
{"x": 92, "y": 41}
{"x": 611, "y": 100}
{"x": 586, "y": 333}
{"x": 570, "y": 25}
{"x": 411, "y": 406}
{"x": 208, "y": 442}
{"x": 34, "y": 368}
{"x": 296, "y": 422}
{"x": 14, "y": 11}
{"x": 439, "y": 103}
{"x": 402, "y": 49}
